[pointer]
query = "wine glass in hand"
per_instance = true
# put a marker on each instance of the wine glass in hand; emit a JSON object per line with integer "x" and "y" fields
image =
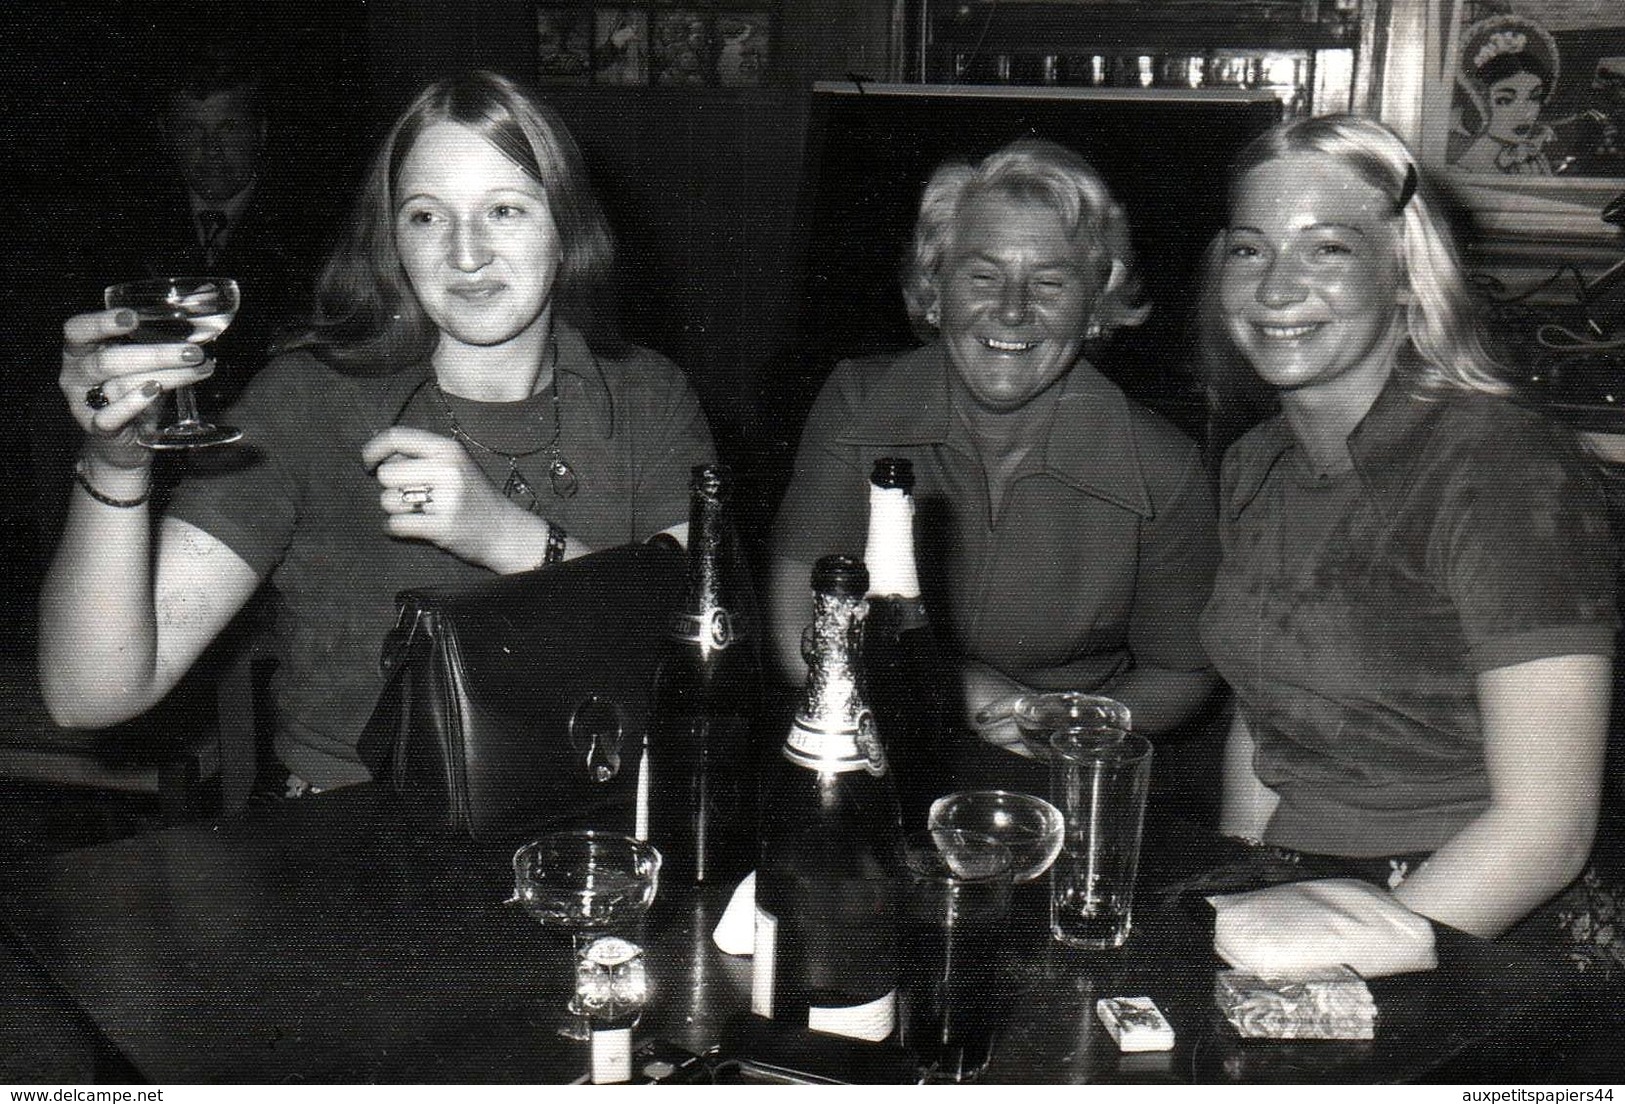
{"x": 196, "y": 309}
{"x": 591, "y": 883}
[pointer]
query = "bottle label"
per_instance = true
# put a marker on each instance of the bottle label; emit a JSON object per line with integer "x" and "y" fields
{"x": 869, "y": 743}
{"x": 873, "y": 1022}
{"x": 836, "y": 752}
{"x": 713, "y": 629}
{"x": 612, "y": 1056}
{"x": 761, "y": 969}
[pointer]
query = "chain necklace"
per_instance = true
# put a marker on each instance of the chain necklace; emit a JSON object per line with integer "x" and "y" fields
{"x": 560, "y": 475}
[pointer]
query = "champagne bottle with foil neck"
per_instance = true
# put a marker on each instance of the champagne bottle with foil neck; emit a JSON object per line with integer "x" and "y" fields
{"x": 831, "y": 851}
{"x": 908, "y": 677}
{"x": 701, "y": 758}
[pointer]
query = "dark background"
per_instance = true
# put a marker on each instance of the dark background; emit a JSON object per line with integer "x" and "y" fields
{"x": 76, "y": 125}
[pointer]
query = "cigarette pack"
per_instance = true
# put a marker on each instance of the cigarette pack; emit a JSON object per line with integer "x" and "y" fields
{"x": 1320, "y": 1004}
{"x": 1135, "y": 1023}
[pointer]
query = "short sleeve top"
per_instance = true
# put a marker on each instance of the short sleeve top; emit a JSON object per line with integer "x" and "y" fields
{"x": 295, "y": 502}
{"x": 1352, "y": 615}
{"x": 1101, "y": 554}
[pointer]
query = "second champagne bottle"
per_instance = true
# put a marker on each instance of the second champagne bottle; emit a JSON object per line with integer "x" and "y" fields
{"x": 909, "y": 679}
{"x": 702, "y": 777}
{"x": 831, "y": 849}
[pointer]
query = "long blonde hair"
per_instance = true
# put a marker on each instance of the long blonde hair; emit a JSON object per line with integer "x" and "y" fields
{"x": 1445, "y": 350}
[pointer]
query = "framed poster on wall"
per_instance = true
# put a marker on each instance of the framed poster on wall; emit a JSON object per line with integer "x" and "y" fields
{"x": 1525, "y": 113}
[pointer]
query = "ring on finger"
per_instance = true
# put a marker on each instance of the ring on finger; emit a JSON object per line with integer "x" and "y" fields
{"x": 96, "y": 398}
{"x": 416, "y": 497}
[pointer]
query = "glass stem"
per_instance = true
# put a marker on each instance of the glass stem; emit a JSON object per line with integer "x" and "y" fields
{"x": 576, "y": 1024}
{"x": 186, "y": 406}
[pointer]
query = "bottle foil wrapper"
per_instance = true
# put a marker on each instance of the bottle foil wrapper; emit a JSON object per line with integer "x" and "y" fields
{"x": 1321, "y": 1004}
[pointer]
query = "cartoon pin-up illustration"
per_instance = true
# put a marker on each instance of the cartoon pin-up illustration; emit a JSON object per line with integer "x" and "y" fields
{"x": 1509, "y": 69}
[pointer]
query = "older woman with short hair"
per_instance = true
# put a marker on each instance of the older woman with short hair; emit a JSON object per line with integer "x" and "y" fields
{"x": 1065, "y": 535}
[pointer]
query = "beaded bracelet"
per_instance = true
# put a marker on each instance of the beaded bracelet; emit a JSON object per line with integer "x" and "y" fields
{"x": 555, "y": 545}
{"x": 83, "y": 479}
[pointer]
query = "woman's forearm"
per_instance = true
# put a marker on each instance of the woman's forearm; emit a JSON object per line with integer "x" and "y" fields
{"x": 1544, "y": 730}
{"x": 120, "y": 623}
{"x": 1159, "y": 699}
{"x": 98, "y": 631}
{"x": 1500, "y": 868}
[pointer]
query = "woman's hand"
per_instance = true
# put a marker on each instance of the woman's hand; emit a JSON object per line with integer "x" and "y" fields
{"x": 1285, "y": 930}
{"x": 111, "y": 384}
{"x": 990, "y": 697}
{"x": 431, "y": 490}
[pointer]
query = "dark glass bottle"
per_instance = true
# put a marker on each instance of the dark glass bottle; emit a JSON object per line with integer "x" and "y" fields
{"x": 908, "y": 677}
{"x": 831, "y": 854}
{"x": 702, "y": 775}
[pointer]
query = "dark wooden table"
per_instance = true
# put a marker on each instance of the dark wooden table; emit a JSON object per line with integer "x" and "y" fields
{"x": 324, "y": 941}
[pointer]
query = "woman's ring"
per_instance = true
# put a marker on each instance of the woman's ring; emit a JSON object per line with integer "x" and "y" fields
{"x": 416, "y": 498}
{"x": 96, "y": 398}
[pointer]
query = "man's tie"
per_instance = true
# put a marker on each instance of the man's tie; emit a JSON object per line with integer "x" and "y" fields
{"x": 214, "y": 224}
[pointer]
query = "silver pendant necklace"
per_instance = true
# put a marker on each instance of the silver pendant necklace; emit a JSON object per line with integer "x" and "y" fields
{"x": 560, "y": 475}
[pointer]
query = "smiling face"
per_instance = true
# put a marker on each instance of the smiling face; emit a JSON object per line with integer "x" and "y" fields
{"x": 477, "y": 239}
{"x": 1515, "y": 104}
{"x": 1311, "y": 283}
{"x": 1015, "y": 292}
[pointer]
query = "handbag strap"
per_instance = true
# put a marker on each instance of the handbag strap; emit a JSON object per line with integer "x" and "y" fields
{"x": 382, "y": 742}
{"x": 377, "y": 747}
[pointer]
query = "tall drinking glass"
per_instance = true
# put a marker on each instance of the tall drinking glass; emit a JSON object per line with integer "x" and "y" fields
{"x": 1098, "y": 779}
{"x": 196, "y": 309}
{"x": 956, "y": 908}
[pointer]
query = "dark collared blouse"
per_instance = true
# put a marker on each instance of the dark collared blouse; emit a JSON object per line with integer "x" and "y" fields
{"x": 294, "y": 501}
{"x": 1352, "y": 615}
{"x": 1103, "y": 550}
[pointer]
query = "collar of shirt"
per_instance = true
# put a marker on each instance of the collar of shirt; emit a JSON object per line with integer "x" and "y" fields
{"x": 1383, "y": 445}
{"x": 1089, "y": 444}
{"x": 585, "y": 395}
{"x": 233, "y": 210}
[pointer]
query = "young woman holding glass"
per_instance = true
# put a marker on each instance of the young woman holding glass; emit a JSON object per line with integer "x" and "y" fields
{"x": 460, "y": 406}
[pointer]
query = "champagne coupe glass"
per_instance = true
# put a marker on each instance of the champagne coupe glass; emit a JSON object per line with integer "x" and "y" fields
{"x": 196, "y": 309}
{"x": 592, "y": 884}
{"x": 1029, "y": 826}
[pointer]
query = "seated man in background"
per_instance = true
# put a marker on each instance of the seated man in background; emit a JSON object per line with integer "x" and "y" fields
{"x": 205, "y": 204}
{"x": 214, "y": 210}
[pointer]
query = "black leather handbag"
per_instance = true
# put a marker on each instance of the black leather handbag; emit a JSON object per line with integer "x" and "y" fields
{"x": 523, "y": 701}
